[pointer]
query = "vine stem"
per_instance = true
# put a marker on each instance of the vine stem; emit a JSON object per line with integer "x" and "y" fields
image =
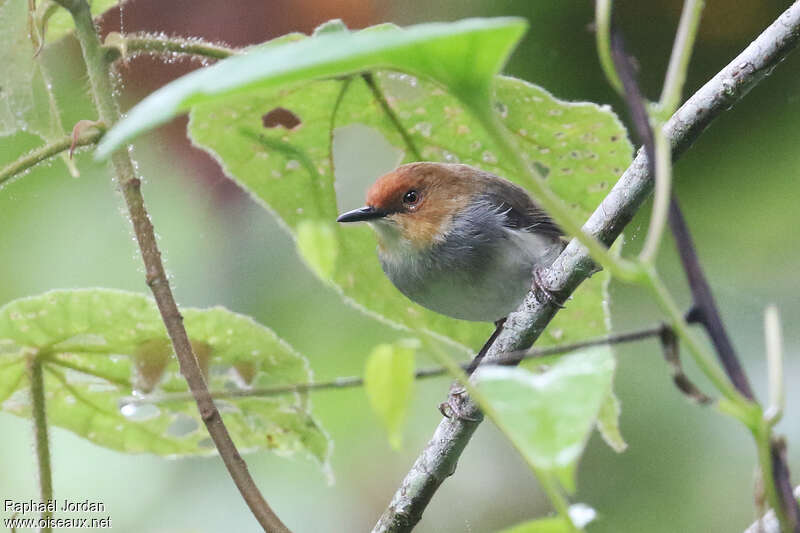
{"x": 41, "y": 436}
{"x": 602, "y": 20}
{"x": 439, "y": 457}
{"x": 344, "y": 382}
{"x": 118, "y": 46}
{"x": 679, "y": 59}
{"x": 51, "y": 149}
{"x": 101, "y": 85}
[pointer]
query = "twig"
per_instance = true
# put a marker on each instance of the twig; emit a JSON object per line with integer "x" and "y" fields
{"x": 100, "y": 81}
{"x": 769, "y": 522}
{"x": 40, "y": 435}
{"x": 670, "y": 348}
{"x": 705, "y": 309}
{"x": 119, "y": 46}
{"x": 51, "y": 149}
{"x": 347, "y": 382}
{"x": 438, "y": 459}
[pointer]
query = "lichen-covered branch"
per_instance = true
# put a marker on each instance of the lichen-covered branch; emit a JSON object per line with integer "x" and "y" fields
{"x": 438, "y": 459}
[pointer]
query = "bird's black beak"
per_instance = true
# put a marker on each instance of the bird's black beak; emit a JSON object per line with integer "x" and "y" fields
{"x": 362, "y": 213}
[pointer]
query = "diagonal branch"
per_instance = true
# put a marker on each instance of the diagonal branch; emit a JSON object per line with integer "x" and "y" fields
{"x": 438, "y": 459}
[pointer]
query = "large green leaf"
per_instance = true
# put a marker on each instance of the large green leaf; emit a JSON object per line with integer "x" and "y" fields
{"x": 549, "y": 415}
{"x": 462, "y": 56}
{"x": 290, "y": 171}
{"x": 100, "y": 346}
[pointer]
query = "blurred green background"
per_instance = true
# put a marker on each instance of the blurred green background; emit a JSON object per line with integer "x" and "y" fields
{"x": 687, "y": 468}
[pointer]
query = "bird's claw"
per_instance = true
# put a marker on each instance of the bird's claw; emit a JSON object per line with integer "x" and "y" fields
{"x": 454, "y": 406}
{"x": 542, "y": 292}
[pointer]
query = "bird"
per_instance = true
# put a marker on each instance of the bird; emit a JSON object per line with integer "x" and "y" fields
{"x": 460, "y": 241}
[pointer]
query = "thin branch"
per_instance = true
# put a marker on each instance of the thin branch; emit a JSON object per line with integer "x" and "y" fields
{"x": 100, "y": 80}
{"x": 40, "y": 435}
{"x": 119, "y": 46}
{"x": 671, "y": 351}
{"x": 438, "y": 459}
{"x": 705, "y": 309}
{"x": 769, "y": 522}
{"x": 51, "y": 149}
{"x": 347, "y": 382}
{"x": 788, "y": 511}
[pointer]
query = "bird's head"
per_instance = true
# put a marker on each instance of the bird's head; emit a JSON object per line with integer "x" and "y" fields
{"x": 414, "y": 205}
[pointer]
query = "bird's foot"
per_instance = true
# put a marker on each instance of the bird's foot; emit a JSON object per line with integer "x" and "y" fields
{"x": 542, "y": 292}
{"x": 456, "y": 407}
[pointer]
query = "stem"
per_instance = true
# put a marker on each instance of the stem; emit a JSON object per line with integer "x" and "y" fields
{"x": 602, "y": 20}
{"x": 661, "y": 196}
{"x": 701, "y": 356}
{"x": 42, "y": 153}
{"x": 705, "y": 308}
{"x": 346, "y": 382}
{"x": 774, "y": 341}
{"x": 117, "y": 45}
{"x": 681, "y": 53}
{"x": 40, "y": 434}
{"x": 99, "y": 77}
{"x": 395, "y": 120}
{"x": 438, "y": 459}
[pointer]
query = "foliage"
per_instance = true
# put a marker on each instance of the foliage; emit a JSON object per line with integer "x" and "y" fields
{"x": 102, "y": 349}
{"x": 389, "y": 384}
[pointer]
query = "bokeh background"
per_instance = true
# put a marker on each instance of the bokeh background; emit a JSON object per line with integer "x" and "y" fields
{"x": 687, "y": 467}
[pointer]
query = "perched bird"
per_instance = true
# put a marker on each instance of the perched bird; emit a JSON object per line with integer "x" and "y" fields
{"x": 460, "y": 241}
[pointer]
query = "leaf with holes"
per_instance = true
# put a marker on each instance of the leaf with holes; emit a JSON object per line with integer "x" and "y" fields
{"x": 462, "y": 56}
{"x": 99, "y": 347}
{"x": 278, "y": 143}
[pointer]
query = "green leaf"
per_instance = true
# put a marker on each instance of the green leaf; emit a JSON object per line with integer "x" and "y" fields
{"x": 23, "y": 95}
{"x": 580, "y": 514}
{"x": 60, "y": 22}
{"x": 461, "y": 55}
{"x": 608, "y": 423}
{"x": 290, "y": 170}
{"x": 549, "y": 415}
{"x": 542, "y": 525}
{"x": 99, "y": 347}
{"x": 389, "y": 383}
{"x": 316, "y": 242}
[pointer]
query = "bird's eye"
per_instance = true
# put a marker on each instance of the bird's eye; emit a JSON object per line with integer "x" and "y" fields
{"x": 411, "y": 197}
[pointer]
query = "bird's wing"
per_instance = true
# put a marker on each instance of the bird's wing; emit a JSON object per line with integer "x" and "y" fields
{"x": 521, "y": 212}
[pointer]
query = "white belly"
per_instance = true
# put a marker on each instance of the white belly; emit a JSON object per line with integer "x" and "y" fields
{"x": 485, "y": 287}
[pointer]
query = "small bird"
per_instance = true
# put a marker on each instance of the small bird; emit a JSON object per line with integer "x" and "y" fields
{"x": 458, "y": 240}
